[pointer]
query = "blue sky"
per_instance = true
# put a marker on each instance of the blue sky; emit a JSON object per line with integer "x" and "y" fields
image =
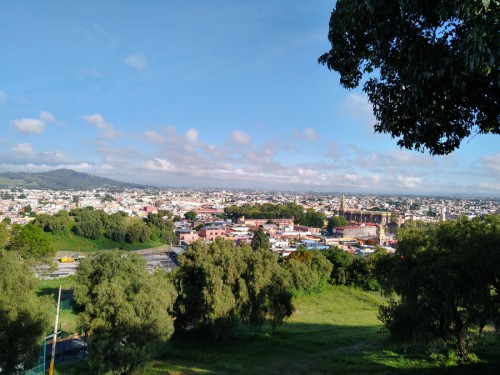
{"x": 203, "y": 94}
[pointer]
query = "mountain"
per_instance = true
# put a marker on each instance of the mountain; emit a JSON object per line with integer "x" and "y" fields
{"x": 61, "y": 179}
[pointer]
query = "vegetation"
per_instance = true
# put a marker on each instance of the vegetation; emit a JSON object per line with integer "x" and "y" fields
{"x": 89, "y": 229}
{"x": 446, "y": 279}
{"x": 221, "y": 285}
{"x": 309, "y": 270}
{"x": 260, "y": 240}
{"x": 334, "y": 222}
{"x": 62, "y": 179}
{"x": 24, "y": 318}
{"x": 432, "y": 67}
{"x": 126, "y": 309}
{"x": 265, "y": 211}
{"x": 31, "y": 243}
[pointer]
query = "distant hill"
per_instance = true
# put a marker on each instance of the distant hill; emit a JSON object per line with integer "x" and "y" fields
{"x": 61, "y": 179}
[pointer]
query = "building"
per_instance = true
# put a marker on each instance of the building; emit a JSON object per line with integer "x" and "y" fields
{"x": 375, "y": 217}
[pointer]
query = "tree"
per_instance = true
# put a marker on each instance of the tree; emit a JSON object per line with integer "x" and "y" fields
{"x": 309, "y": 270}
{"x": 138, "y": 232}
{"x": 127, "y": 310}
{"x": 220, "y": 284}
{"x": 31, "y": 243}
{"x": 4, "y": 235}
{"x": 336, "y": 221}
{"x": 24, "y": 318}
{"x": 433, "y": 74}
{"x": 191, "y": 215}
{"x": 260, "y": 240}
{"x": 446, "y": 277}
{"x": 311, "y": 218}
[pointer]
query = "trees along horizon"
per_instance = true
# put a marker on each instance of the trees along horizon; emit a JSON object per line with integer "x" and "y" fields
{"x": 432, "y": 69}
{"x": 447, "y": 279}
{"x": 114, "y": 290}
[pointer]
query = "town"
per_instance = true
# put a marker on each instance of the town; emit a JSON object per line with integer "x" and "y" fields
{"x": 199, "y": 214}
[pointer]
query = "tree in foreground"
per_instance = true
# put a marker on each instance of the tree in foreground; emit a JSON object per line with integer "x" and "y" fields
{"x": 432, "y": 66}
{"x": 24, "y": 318}
{"x": 31, "y": 243}
{"x": 220, "y": 285}
{"x": 126, "y": 310}
{"x": 447, "y": 277}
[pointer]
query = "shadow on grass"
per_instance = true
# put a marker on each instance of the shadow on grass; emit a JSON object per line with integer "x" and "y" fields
{"x": 307, "y": 349}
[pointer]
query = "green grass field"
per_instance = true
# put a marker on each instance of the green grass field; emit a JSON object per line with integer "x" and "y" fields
{"x": 67, "y": 241}
{"x": 334, "y": 332}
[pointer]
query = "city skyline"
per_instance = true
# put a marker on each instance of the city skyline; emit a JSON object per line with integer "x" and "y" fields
{"x": 204, "y": 94}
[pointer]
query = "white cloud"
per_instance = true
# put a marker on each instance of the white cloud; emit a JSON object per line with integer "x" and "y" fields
{"x": 409, "y": 182}
{"x": 46, "y": 117}
{"x": 240, "y": 138}
{"x": 23, "y": 149}
{"x": 29, "y": 125}
{"x": 107, "y": 130}
{"x": 33, "y": 125}
{"x": 192, "y": 135}
{"x": 492, "y": 162}
{"x": 136, "y": 61}
{"x": 3, "y": 96}
{"x": 308, "y": 133}
{"x": 357, "y": 106}
{"x": 153, "y": 136}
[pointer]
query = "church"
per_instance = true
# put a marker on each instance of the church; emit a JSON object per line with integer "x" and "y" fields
{"x": 363, "y": 216}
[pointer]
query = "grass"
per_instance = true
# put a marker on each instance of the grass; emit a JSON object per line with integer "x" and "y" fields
{"x": 67, "y": 241}
{"x": 334, "y": 332}
{"x": 67, "y": 317}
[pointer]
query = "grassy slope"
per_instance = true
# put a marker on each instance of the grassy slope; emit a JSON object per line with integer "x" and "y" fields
{"x": 67, "y": 241}
{"x": 335, "y": 332}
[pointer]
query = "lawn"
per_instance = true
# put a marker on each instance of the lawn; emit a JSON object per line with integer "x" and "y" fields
{"x": 67, "y": 241}
{"x": 334, "y": 332}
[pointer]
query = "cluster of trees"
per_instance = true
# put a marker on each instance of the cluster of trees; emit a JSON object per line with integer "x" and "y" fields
{"x": 265, "y": 211}
{"x": 445, "y": 283}
{"x": 126, "y": 309}
{"x": 92, "y": 224}
{"x": 270, "y": 211}
{"x": 24, "y": 317}
{"x": 220, "y": 285}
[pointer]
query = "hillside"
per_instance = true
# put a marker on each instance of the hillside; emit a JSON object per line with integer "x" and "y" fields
{"x": 61, "y": 179}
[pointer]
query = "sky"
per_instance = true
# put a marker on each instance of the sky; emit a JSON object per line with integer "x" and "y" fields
{"x": 210, "y": 93}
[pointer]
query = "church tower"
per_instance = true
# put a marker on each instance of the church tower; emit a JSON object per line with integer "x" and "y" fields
{"x": 342, "y": 206}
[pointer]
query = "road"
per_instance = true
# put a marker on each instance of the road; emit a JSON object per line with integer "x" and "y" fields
{"x": 162, "y": 261}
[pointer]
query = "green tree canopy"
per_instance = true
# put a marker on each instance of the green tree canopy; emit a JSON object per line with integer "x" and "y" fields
{"x": 24, "y": 318}
{"x": 221, "y": 284}
{"x": 311, "y": 218}
{"x": 191, "y": 215}
{"x": 432, "y": 66}
{"x": 336, "y": 221}
{"x": 31, "y": 243}
{"x": 446, "y": 276}
{"x": 260, "y": 240}
{"x": 127, "y": 309}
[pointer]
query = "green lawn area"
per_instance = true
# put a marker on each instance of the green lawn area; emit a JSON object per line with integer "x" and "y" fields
{"x": 67, "y": 317}
{"x": 334, "y": 332}
{"x": 67, "y": 241}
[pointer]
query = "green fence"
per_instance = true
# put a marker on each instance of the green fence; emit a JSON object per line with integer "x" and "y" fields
{"x": 39, "y": 368}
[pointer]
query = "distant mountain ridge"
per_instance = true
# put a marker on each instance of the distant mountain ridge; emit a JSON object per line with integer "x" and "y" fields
{"x": 61, "y": 179}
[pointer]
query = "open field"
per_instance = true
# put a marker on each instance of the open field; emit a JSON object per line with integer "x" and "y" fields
{"x": 334, "y": 332}
{"x": 67, "y": 241}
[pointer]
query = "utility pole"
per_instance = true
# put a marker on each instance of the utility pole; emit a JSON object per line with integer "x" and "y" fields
{"x": 51, "y": 368}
